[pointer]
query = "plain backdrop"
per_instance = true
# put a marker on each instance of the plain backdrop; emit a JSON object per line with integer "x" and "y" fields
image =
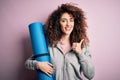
{"x": 103, "y": 18}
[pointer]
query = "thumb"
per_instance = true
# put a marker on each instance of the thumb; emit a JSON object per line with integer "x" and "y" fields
{"x": 81, "y": 41}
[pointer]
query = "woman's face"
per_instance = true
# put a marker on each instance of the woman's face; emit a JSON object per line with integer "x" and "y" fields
{"x": 67, "y": 23}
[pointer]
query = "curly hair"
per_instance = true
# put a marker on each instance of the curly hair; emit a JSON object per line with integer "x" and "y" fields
{"x": 52, "y": 26}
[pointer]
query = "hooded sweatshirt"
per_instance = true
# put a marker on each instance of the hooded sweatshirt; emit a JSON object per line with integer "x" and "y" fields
{"x": 67, "y": 66}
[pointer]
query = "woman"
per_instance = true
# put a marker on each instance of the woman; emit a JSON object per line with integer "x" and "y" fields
{"x": 68, "y": 45}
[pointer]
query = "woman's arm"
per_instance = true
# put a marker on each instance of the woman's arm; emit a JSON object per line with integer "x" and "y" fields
{"x": 85, "y": 61}
{"x": 31, "y": 63}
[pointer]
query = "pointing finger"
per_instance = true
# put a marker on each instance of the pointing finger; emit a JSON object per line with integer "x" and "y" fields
{"x": 74, "y": 45}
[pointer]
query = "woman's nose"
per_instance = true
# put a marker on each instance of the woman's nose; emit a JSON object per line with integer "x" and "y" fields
{"x": 68, "y": 23}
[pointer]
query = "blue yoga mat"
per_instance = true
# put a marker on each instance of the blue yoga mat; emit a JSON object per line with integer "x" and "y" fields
{"x": 40, "y": 47}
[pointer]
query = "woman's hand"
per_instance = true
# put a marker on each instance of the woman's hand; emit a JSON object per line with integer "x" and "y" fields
{"x": 46, "y": 67}
{"x": 77, "y": 47}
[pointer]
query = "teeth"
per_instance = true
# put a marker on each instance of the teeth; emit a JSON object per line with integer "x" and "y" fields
{"x": 67, "y": 28}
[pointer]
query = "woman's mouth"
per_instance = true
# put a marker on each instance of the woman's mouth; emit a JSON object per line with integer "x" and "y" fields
{"x": 68, "y": 28}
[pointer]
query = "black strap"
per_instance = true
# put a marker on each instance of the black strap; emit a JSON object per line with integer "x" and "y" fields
{"x": 39, "y": 55}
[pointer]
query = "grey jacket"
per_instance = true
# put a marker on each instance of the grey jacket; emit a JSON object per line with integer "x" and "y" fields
{"x": 69, "y": 66}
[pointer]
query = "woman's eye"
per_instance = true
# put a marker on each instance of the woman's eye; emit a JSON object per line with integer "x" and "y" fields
{"x": 63, "y": 20}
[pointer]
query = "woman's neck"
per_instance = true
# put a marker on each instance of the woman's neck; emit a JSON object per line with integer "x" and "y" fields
{"x": 65, "y": 44}
{"x": 65, "y": 38}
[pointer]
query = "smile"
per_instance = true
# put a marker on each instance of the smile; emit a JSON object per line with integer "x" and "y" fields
{"x": 68, "y": 28}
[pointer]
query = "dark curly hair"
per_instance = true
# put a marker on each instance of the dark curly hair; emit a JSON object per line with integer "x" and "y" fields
{"x": 52, "y": 26}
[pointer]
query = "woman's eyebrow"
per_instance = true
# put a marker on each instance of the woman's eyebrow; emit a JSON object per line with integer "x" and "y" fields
{"x": 69, "y": 18}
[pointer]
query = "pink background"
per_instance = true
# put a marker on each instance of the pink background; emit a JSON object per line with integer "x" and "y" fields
{"x": 103, "y": 17}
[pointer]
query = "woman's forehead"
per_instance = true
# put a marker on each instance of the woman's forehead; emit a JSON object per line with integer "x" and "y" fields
{"x": 66, "y": 15}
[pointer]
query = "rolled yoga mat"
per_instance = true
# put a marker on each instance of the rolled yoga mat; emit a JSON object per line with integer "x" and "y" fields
{"x": 40, "y": 47}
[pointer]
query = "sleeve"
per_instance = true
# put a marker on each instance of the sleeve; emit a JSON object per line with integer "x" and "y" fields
{"x": 86, "y": 64}
{"x": 30, "y": 63}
